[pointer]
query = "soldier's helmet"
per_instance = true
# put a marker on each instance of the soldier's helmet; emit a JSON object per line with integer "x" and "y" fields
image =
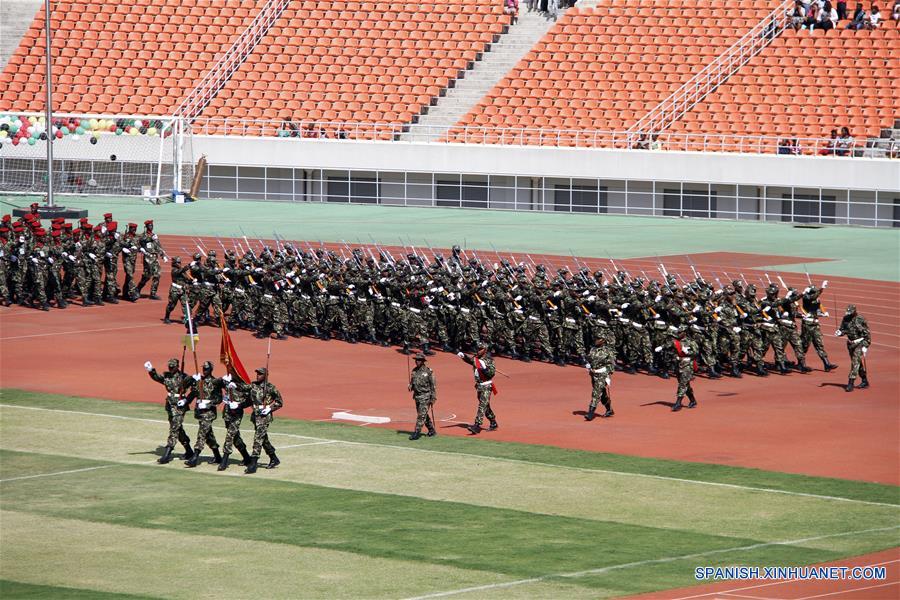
{"x": 480, "y": 346}
{"x": 737, "y": 284}
{"x": 772, "y": 289}
{"x": 456, "y": 249}
{"x": 751, "y": 289}
{"x": 212, "y": 253}
{"x": 599, "y": 339}
{"x": 173, "y": 363}
{"x": 598, "y": 274}
{"x": 851, "y": 309}
{"x": 207, "y": 367}
{"x": 680, "y": 332}
{"x": 421, "y": 357}
{"x": 176, "y": 260}
{"x": 540, "y": 267}
{"x": 198, "y": 256}
{"x": 262, "y": 371}
{"x": 728, "y": 290}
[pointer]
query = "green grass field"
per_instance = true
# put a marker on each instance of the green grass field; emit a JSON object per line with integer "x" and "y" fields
{"x": 356, "y": 512}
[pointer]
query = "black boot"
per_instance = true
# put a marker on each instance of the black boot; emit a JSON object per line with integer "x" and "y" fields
{"x": 113, "y": 300}
{"x": 217, "y": 458}
{"x": 45, "y": 306}
{"x": 416, "y": 434}
{"x": 590, "y": 413}
{"x": 154, "y": 297}
{"x": 609, "y": 412}
{"x": 801, "y": 366}
{"x": 193, "y": 460}
{"x": 245, "y": 456}
{"x": 494, "y": 426}
{"x": 736, "y": 370}
{"x": 629, "y": 368}
{"x": 693, "y": 401}
{"x": 829, "y": 366}
{"x": 273, "y": 461}
{"x": 651, "y": 369}
{"x": 432, "y": 431}
{"x": 782, "y": 368}
{"x": 525, "y": 356}
{"x": 714, "y": 373}
{"x": 251, "y": 468}
{"x": 167, "y": 320}
{"x": 61, "y": 303}
{"x": 677, "y": 405}
{"x": 406, "y": 348}
{"x": 761, "y": 371}
{"x": 188, "y": 452}
{"x": 474, "y": 429}
{"x": 166, "y": 457}
{"x": 864, "y": 384}
{"x": 426, "y": 349}
{"x": 223, "y": 464}
{"x": 664, "y": 373}
{"x": 559, "y": 360}
{"x": 849, "y": 386}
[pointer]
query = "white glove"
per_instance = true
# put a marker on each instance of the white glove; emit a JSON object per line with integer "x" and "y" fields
{"x": 658, "y": 349}
{"x": 825, "y": 314}
{"x": 626, "y": 305}
{"x": 34, "y": 260}
{"x": 50, "y": 260}
{"x": 736, "y": 329}
{"x": 806, "y": 290}
{"x": 461, "y": 354}
{"x": 233, "y": 405}
{"x": 148, "y": 365}
{"x": 658, "y": 298}
{"x": 193, "y": 263}
{"x": 93, "y": 257}
{"x": 266, "y": 410}
{"x": 824, "y": 284}
{"x": 718, "y": 309}
{"x": 196, "y": 376}
{"x": 607, "y": 381}
{"x": 865, "y": 349}
{"x": 696, "y": 308}
{"x": 838, "y": 333}
{"x": 181, "y": 403}
{"x": 587, "y": 366}
{"x": 109, "y": 254}
{"x": 165, "y": 259}
{"x": 227, "y": 377}
{"x": 232, "y": 386}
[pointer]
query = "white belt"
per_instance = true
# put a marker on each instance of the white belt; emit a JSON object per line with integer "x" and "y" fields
{"x": 570, "y": 320}
{"x": 465, "y": 310}
{"x": 533, "y": 318}
{"x": 787, "y": 322}
{"x": 305, "y": 296}
{"x": 206, "y": 283}
{"x": 698, "y": 328}
{"x": 687, "y": 359}
{"x": 637, "y": 325}
{"x": 415, "y": 310}
{"x": 519, "y": 311}
{"x": 432, "y": 307}
{"x": 485, "y": 383}
{"x": 268, "y": 296}
{"x": 361, "y": 300}
{"x": 332, "y": 297}
{"x": 599, "y": 371}
{"x": 810, "y": 319}
{"x": 625, "y": 320}
{"x": 175, "y": 285}
{"x": 660, "y": 323}
{"x": 768, "y": 325}
{"x": 601, "y": 321}
{"x": 395, "y": 304}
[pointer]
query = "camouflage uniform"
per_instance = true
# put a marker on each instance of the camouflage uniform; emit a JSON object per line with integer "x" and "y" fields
{"x": 856, "y": 329}
{"x": 177, "y": 404}
{"x": 208, "y": 397}
{"x": 265, "y": 399}
{"x": 484, "y": 371}
{"x": 150, "y": 248}
{"x": 423, "y": 387}
{"x": 810, "y": 331}
{"x": 601, "y": 364}
{"x": 686, "y": 352}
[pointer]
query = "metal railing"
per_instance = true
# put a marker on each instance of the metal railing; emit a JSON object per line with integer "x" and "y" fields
{"x": 714, "y": 74}
{"x": 334, "y": 132}
{"x": 216, "y": 77}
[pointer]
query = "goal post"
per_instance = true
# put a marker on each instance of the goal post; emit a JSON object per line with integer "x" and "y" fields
{"x": 103, "y": 155}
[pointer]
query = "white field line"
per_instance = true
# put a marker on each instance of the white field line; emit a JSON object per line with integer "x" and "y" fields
{"x": 769, "y": 584}
{"x": 308, "y": 444}
{"x": 498, "y": 459}
{"x": 365, "y": 419}
{"x": 59, "y": 473}
{"x": 37, "y": 335}
{"x": 641, "y": 563}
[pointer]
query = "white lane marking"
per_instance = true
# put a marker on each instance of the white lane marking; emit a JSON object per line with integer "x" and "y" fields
{"x": 346, "y": 416}
{"x": 58, "y": 473}
{"x": 851, "y": 590}
{"x": 769, "y": 584}
{"x": 37, "y": 335}
{"x": 498, "y": 459}
{"x": 641, "y": 563}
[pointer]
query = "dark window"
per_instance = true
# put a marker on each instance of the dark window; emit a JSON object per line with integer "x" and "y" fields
{"x": 362, "y": 190}
{"x": 690, "y": 203}
{"x": 805, "y": 208}
{"x": 580, "y": 198}
{"x": 468, "y": 194}
{"x": 896, "y": 222}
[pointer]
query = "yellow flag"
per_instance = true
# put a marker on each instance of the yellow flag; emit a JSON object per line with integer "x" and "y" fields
{"x": 186, "y": 341}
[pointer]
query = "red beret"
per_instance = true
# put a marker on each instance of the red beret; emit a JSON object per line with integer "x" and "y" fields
{"x": 34, "y": 205}
{"x": 56, "y": 226}
{"x": 39, "y": 231}
{"x": 148, "y": 222}
{"x": 67, "y": 226}
{"x": 28, "y": 216}
{"x": 132, "y": 226}
{"x": 56, "y": 233}
{"x": 107, "y": 215}
{"x": 7, "y": 218}
{"x": 112, "y": 226}
{"x": 4, "y": 229}
{"x": 58, "y": 220}
{"x": 18, "y": 228}
{"x": 98, "y": 228}
{"x": 86, "y": 225}
{"x": 83, "y": 220}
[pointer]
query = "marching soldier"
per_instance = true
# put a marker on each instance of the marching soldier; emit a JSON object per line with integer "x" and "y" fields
{"x": 856, "y": 329}
{"x": 234, "y": 400}
{"x": 810, "y": 331}
{"x": 150, "y": 249}
{"x": 208, "y": 395}
{"x": 600, "y": 364}
{"x": 176, "y": 383}
{"x": 484, "y": 372}
{"x": 265, "y": 400}
{"x": 423, "y": 387}
{"x": 686, "y": 352}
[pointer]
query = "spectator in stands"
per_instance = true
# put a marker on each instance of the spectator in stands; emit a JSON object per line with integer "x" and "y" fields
{"x": 895, "y": 14}
{"x": 827, "y": 17}
{"x": 798, "y": 16}
{"x": 789, "y": 146}
{"x": 841, "y": 10}
{"x": 859, "y": 18}
{"x": 655, "y": 144}
{"x": 812, "y": 16}
{"x": 642, "y": 143}
{"x": 874, "y": 18}
{"x": 844, "y": 142}
{"x": 831, "y": 147}
{"x": 511, "y": 7}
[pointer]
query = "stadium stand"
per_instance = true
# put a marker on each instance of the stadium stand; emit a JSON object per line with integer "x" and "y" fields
{"x": 805, "y": 84}
{"x": 133, "y": 57}
{"x": 602, "y": 68}
{"x": 362, "y": 62}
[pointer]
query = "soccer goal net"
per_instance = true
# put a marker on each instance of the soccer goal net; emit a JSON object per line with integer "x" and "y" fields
{"x": 95, "y": 155}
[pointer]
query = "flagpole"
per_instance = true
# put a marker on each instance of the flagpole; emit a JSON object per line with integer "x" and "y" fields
{"x": 49, "y": 107}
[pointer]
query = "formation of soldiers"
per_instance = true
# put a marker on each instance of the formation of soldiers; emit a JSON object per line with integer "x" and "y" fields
{"x": 40, "y": 267}
{"x": 522, "y": 311}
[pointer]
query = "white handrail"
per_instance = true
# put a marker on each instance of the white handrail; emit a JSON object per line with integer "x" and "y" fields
{"x": 219, "y": 74}
{"x": 695, "y": 89}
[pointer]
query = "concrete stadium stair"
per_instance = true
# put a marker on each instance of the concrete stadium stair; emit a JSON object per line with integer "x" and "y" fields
{"x": 15, "y": 18}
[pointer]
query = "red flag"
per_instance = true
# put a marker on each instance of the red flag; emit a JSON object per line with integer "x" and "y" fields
{"x": 228, "y": 355}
